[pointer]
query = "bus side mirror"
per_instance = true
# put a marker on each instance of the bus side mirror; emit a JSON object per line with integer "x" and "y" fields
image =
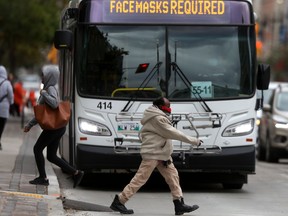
{"x": 263, "y": 77}
{"x": 63, "y": 39}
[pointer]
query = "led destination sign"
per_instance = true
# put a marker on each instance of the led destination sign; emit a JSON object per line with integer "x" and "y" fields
{"x": 195, "y": 7}
{"x": 166, "y": 12}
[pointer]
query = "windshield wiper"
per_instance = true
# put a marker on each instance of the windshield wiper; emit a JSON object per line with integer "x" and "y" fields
{"x": 143, "y": 85}
{"x": 186, "y": 81}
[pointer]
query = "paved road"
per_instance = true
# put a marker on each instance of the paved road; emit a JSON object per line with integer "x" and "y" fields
{"x": 264, "y": 195}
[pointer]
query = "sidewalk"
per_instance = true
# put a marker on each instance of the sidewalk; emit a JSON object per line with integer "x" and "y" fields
{"x": 17, "y": 167}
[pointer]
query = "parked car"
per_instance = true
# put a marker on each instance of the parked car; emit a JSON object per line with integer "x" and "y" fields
{"x": 273, "y": 128}
{"x": 266, "y": 97}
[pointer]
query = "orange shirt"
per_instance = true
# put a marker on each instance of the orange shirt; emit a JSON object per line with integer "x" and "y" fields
{"x": 19, "y": 93}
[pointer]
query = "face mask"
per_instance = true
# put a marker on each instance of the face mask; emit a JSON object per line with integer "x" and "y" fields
{"x": 166, "y": 109}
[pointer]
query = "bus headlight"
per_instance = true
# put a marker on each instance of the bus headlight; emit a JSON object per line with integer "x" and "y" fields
{"x": 239, "y": 129}
{"x": 93, "y": 128}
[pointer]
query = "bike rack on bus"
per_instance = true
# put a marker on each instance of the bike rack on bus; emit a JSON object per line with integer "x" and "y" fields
{"x": 130, "y": 143}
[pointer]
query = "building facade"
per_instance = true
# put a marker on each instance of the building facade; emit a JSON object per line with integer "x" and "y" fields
{"x": 272, "y": 20}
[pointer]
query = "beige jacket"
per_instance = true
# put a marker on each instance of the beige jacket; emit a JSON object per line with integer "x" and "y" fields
{"x": 157, "y": 134}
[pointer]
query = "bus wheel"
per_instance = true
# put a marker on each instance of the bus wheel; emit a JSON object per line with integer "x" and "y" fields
{"x": 237, "y": 186}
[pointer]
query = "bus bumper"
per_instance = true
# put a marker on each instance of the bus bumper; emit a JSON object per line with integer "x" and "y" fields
{"x": 239, "y": 160}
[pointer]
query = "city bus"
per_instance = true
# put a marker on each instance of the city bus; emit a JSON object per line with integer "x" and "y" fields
{"x": 117, "y": 56}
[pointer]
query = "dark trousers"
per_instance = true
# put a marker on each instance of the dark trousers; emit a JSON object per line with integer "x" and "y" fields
{"x": 2, "y": 126}
{"x": 51, "y": 140}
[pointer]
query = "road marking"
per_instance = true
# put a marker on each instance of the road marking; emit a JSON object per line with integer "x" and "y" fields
{"x": 32, "y": 195}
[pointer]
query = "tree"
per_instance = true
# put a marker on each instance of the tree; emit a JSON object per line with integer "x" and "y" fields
{"x": 26, "y": 31}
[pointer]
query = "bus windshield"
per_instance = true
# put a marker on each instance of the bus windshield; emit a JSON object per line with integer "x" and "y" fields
{"x": 174, "y": 61}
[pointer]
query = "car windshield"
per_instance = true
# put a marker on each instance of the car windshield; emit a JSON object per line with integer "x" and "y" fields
{"x": 176, "y": 61}
{"x": 282, "y": 101}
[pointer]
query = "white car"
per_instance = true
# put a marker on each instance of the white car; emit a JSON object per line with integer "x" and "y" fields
{"x": 273, "y": 128}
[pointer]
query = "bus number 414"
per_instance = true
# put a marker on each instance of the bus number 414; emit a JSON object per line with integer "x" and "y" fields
{"x": 104, "y": 105}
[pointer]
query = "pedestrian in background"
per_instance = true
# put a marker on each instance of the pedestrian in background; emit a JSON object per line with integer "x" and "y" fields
{"x": 50, "y": 138}
{"x": 6, "y": 99}
{"x": 31, "y": 99}
{"x": 19, "y": 97}
{"x": 156, "y": 149}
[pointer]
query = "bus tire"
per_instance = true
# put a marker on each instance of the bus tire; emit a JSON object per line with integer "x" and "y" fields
{"x": 237, "y": 186}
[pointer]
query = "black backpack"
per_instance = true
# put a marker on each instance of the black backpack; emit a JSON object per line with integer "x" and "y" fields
{"x": 2, "y": 98}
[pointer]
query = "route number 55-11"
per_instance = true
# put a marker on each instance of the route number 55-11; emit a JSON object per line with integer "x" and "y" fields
{"x": 204, "y": 89}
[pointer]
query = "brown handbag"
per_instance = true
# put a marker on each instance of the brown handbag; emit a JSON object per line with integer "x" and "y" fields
{"x": 52, "y": 119}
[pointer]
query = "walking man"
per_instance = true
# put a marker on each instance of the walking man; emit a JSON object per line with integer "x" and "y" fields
{"x": 156, "y": 149}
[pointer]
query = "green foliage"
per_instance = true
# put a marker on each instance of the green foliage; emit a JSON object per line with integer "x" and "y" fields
{"x": 26, "y": 30}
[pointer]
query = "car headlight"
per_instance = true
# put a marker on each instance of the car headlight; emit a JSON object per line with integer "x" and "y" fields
{"x": 93, "y": 128}
{"x": 281, "y": 125}
{"x": 280, "y": 122}
{"x": 239, "y": 129}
